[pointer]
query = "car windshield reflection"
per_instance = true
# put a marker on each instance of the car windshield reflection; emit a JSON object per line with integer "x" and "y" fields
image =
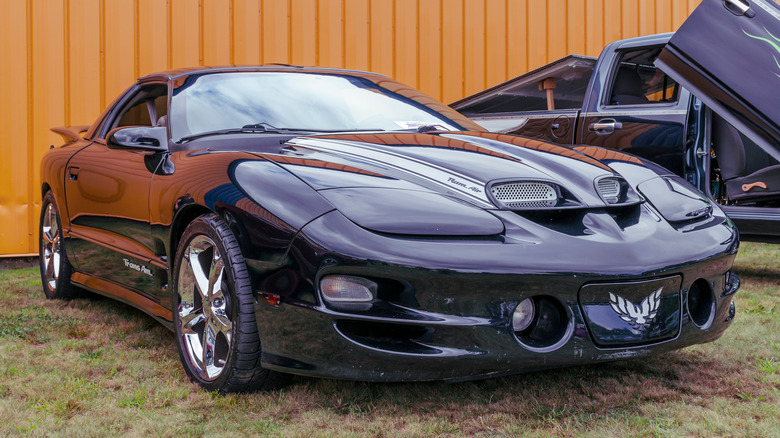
{"x": 224, "y": 103}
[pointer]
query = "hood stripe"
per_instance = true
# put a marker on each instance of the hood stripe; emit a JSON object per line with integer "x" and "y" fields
{"x": 453, "y": 181}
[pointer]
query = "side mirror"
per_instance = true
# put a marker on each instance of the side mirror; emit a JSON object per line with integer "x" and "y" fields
{"x": 150, "y": 138}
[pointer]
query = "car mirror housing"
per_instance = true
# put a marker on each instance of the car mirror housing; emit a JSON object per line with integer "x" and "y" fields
{"x": 139, "y": 137}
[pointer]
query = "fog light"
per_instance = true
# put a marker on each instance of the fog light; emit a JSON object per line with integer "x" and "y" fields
{"x": 523, "y": 315}
{"x": 542, "y": 324}
{"x": 701, "y": 303}
{"x": 347, "y": 289}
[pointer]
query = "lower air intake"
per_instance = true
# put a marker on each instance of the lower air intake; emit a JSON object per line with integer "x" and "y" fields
{"x": 525, "y": 194}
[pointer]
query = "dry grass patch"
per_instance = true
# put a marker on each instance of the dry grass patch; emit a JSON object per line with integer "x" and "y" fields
{"x": 95, "y": 367}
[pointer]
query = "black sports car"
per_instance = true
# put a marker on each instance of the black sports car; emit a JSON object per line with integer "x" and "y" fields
{"x": 285, "y": 220}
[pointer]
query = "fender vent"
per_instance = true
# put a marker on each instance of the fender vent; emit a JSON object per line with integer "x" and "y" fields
{"x": 609, "y": 189}
{"x": 525, "y": 194}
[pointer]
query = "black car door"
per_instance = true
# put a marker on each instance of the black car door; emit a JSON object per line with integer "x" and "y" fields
{"x": 728, "y": 54}
{"x": 107, "y": 194}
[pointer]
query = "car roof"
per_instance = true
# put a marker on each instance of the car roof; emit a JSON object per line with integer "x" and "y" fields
{"x": 188, "y": 71}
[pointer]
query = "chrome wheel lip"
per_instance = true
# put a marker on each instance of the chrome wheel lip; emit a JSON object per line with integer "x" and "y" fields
{"x": 203, "y": 316}
{"x": 50, "y": 247}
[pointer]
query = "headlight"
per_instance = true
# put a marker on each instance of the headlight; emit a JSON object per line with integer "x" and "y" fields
{"x": 410, "y": 212}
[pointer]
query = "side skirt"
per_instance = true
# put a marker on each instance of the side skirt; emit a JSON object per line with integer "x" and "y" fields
{"x": 111, "y": 290}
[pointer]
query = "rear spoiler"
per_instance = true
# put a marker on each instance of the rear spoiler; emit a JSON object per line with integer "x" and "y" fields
{"x": 70, "y": 133}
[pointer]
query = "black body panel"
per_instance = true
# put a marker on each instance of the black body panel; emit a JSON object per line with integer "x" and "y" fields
{"x": 448, "y": 231}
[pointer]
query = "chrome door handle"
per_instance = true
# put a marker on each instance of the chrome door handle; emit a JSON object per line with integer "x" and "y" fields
{"x": 736, "y": 7}
{"x": 604, "y": 127}
{"x": 73, "y": 173}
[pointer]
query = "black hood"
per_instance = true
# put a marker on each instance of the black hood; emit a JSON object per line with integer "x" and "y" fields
{"x": 456, "y": 164}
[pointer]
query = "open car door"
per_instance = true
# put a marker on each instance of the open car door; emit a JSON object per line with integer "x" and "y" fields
{"x": 728, "y": 54}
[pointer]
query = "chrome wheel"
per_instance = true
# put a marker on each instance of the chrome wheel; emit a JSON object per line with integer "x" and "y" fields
{"x": 214, "y": 311}
{"x": 50, "y": 247}
{"x": 204, "y": 311}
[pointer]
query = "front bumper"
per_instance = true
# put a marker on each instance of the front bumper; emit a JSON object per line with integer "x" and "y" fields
{"x": 460, "y": 326}
{"x": 469, "y": 337}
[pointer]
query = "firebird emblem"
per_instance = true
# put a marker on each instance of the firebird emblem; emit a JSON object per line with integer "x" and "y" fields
{"x": 639, "y": 317}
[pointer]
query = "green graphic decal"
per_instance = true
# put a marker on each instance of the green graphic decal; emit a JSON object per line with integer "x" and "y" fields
{"x": 774, "y": 44}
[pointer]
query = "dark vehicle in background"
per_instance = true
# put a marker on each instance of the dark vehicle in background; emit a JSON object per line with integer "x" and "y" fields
{"x": 702, "y": 103}
{"x": 286, "y": 220}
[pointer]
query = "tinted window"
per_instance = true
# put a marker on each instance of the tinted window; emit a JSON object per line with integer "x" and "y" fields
{"x": 567, "y": 78}
{"x": 145, "y": 108}
{"x": 637, "y": 81}
{"x": 318, "y": 102}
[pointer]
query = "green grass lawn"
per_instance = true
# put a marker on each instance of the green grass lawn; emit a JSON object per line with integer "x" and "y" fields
{"x": 95, "y": 367}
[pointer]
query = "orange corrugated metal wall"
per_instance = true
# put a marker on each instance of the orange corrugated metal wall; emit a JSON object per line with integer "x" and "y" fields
{"x": 65, "y": 60}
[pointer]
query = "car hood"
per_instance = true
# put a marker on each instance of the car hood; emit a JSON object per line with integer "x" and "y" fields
{"x": 460, "y": 165}
{"x": 714, "y": 64}
{"x": 464, "y": 183}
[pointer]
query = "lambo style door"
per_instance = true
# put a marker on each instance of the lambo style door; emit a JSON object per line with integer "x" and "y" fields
{"x": 107, "y": 192}
{"x": 728, "y": 54}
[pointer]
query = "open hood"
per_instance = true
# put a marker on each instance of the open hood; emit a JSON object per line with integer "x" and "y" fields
{"x": 728, "y": 54}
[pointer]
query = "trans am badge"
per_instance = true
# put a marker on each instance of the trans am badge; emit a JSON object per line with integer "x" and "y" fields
{"x": 641, "y": 316}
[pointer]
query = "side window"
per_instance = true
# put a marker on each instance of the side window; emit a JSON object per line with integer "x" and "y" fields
{"x": 148, "y": 107}
{"x": 637, "y": 81}
{"x": 560, "y": 85}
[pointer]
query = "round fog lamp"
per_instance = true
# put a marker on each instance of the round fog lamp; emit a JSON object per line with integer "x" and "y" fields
{"x": 523, "y": 315}
{"x": 347, "y": 289}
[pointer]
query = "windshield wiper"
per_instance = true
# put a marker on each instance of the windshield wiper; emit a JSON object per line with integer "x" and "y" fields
{"x": 251, "y": 129}
{"x": 265, "y": 127}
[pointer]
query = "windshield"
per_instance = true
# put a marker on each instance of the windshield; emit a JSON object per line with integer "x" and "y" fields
{"x": 293, "y": 101}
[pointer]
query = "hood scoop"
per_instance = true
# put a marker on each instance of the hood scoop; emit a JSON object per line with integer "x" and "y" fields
{"x": 531, "y": 195}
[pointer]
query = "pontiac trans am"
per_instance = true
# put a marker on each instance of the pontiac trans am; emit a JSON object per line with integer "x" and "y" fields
{"x": 284, "y": 220}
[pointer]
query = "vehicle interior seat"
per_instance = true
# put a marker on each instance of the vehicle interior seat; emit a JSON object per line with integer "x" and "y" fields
{"x": 748, "y": 171}
{"x": 628, "y": 89}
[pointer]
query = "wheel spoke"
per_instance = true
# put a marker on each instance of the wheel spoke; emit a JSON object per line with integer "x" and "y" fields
{"x": 53, "y": 224}
{"x": 227, "y": 331}
{"x": 190, "y": 320}
{"x": 189, "y": 296}
{"x": 215, "y": 277}
{"x": 51, "y": 267}
{"x": 209, "y": 370}
{"x": 200, "y": 278}
{"x": 46, "y": 235}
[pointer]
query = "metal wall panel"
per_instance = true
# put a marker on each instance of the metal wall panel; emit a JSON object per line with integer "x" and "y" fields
{"x": 65, "y": 60}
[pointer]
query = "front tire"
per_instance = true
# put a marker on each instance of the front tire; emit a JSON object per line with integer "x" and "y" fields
{"x": 55, "y": 267}
{"x": 213, "y": 315}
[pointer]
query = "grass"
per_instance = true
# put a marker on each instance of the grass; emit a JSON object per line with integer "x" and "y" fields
{"x": 95, "y": 367}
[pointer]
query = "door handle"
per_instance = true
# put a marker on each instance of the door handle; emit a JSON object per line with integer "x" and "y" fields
{"x": 604, "y": 127}
{"x": 736, "y": 7}
{"x": 73, "y": 173}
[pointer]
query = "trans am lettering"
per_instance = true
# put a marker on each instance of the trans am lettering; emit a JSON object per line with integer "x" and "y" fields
{"x": 140, "y": 268}
{"x": 461, "y": 184}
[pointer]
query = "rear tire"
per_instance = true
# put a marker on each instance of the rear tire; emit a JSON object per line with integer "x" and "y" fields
{"x": 213, "y": 312}
{"x": 55, "y": 267}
